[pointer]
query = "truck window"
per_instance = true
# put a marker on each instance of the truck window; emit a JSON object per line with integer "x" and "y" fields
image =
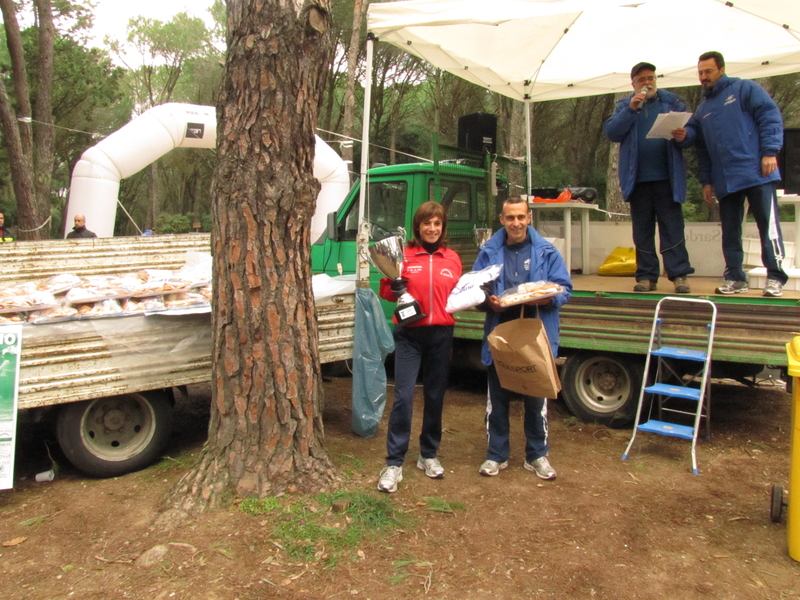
{"x": 456, "y": 198}
{"x": 386, "y": 210}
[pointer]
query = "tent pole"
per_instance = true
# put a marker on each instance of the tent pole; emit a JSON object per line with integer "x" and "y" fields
{"x": 527, "y": 104}
{"x": 362, "y": 266}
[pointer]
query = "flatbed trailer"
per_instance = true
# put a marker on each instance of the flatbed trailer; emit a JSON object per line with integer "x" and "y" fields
{"x": 605, "y": 331}
{"x": 112, "y": 379}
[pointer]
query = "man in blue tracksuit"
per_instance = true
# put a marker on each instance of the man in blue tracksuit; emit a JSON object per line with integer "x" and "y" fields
{"x": 652, "y": 178}
{"x": 525, "y": 256}
{"x": 738, "y": 131}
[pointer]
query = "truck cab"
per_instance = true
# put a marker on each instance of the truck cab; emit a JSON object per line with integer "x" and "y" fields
{"x": 395, "y": 192}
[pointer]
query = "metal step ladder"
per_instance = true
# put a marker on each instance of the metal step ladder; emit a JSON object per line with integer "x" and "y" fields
{"x": 673, "y": 392}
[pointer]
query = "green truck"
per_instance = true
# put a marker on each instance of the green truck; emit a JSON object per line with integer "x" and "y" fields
{"x": 604, "y": 328}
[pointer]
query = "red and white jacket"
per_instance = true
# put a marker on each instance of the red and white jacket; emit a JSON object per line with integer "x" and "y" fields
{"x": 431, "y": 278}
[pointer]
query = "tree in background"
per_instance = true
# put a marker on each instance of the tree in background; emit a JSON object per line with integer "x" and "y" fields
{"x": 26, "y": 119}
{"x": 166, "y": 51}
{"x": 79, "y": 86}
{"x": 265, "y": 434}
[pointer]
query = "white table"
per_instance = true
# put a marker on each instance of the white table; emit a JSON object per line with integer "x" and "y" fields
{"x": 794, "y": 199}
{"x": 566, "y": 211}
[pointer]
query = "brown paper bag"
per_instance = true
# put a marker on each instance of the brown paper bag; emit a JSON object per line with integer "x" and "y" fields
{"x": 523, "y": 359}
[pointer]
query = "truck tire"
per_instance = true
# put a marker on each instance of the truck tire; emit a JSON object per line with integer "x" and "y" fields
{"x": 602, "y": 387}
{"x": 112, "y": 436}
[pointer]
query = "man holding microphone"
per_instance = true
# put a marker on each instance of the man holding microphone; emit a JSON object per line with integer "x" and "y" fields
{"x": 652, "y": 177}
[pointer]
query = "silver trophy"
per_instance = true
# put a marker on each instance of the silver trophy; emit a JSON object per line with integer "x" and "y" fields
{"x": 387, "y": 256}
{"x": 482, "y": 235}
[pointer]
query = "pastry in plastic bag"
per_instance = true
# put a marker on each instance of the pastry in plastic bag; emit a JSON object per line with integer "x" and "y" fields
{"x": 526, "y": 292}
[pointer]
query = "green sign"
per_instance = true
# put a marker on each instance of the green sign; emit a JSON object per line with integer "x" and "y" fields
{"x": 10, "y": 346}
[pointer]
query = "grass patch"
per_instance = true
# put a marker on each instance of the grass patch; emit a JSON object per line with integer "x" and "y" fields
{"x": 260, "y": 506}
{"x": 309, "y": 530}
{"x": 411, "y": 566}
{"x": 443, "y": 506}
{"x": 571, "y": 422}
{"x": 167, "y": 463}
{"x": 350, "y": 461}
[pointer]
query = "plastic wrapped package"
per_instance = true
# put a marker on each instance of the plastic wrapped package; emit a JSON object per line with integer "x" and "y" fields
{"x": 105, "y": 308}
{"x": 468, "y": 292}
{"x": 528, "y": 291}
{"x": 62, "y": 312}
{"x": 58, "y": 284}
{"x": 325, "y": 286}
{"x": 372, "y": 343}
{"x": 197, "y": 268}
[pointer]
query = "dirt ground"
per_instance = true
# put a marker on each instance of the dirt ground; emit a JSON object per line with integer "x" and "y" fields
{"x": 605, "y": 528}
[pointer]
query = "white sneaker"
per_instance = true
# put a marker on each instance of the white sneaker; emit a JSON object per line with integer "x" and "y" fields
{"x": 490, "y": 468}
{"x": 432, "y": 467}
{"x": 390, "y": 477}
{"x": 773, "y": 289}
{"x": 541, "y": 466}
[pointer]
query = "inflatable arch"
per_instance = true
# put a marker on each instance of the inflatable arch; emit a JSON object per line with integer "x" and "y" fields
{"x": 94, "y": 188}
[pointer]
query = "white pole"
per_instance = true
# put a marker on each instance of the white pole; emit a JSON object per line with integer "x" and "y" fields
{"x": 528, "y": 145}
{"x": 362, "y": 266}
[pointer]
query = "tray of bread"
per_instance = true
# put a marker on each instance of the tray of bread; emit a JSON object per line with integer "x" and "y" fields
{"x": 529, "y": 291}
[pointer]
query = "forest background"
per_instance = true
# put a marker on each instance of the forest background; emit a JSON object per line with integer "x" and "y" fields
{"x": 95, "y": 91}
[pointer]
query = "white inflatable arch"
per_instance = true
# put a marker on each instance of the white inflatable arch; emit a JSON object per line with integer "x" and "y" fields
{"x": 95, "y": 179}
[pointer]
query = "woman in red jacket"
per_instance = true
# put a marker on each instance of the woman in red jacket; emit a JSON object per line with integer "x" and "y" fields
{"x": 430, "y": 272}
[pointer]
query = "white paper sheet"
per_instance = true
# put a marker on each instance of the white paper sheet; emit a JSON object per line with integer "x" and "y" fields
{"x": 666, "y": 122}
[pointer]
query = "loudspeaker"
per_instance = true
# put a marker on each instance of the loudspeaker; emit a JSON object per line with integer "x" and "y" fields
{"x": 789, "y": 161}
{"x": 478, "y": 132}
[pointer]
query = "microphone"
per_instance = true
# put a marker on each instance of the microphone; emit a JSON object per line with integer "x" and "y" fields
{"x": 644, "y": 90}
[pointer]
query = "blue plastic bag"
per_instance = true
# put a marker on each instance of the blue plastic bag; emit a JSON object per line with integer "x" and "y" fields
{"x": 372, "y": 343}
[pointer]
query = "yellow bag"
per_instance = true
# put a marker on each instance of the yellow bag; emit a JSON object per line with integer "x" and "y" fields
{"x": 621, "y": 261}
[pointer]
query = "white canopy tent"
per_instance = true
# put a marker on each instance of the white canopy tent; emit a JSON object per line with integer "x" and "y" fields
{"x": 551, "y": 49}
{"x": 535, "y": 50}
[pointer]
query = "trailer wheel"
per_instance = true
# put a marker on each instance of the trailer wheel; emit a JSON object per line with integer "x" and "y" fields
{"x": 112, "y": 436}
{"x": 602, "y": 387}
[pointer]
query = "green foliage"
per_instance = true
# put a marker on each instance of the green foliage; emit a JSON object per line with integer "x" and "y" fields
{"x": 167, "y": 223}
{"x": 206, "y": 222}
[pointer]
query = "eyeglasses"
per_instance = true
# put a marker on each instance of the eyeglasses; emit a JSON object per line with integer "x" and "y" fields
{"x": 650, "y": 79}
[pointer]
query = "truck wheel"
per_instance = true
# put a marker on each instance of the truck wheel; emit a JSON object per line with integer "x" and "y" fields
{"x": 112, "y": 436}
{"x": 602, "y": 387}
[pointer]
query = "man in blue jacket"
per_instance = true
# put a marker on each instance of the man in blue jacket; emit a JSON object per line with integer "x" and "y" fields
{"x": 525, "y": 256}
{"x": 738, "y": 131}
{"x": 652, "y": 178}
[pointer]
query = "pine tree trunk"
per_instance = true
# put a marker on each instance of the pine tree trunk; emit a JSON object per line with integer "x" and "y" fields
{"x": 352, "y": 64}
{"x": 44, "y": 134}
{"x": 615, "y": 203}
{"x": 266, "y": 432}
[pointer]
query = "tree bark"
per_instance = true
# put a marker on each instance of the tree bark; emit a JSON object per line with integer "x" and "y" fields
{"x": 352, "y": 65}
{"x": 266, "y": 433}
{"x": 44, "y": 134}
{"x": 31, "y": 166}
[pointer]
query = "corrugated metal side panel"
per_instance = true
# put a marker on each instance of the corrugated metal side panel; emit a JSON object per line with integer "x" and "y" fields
{"x": 26, "y": 261}
{"x": 744, "y": 332}
{"x": 335, "y": 322}
{"x": 80, "y": 360}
